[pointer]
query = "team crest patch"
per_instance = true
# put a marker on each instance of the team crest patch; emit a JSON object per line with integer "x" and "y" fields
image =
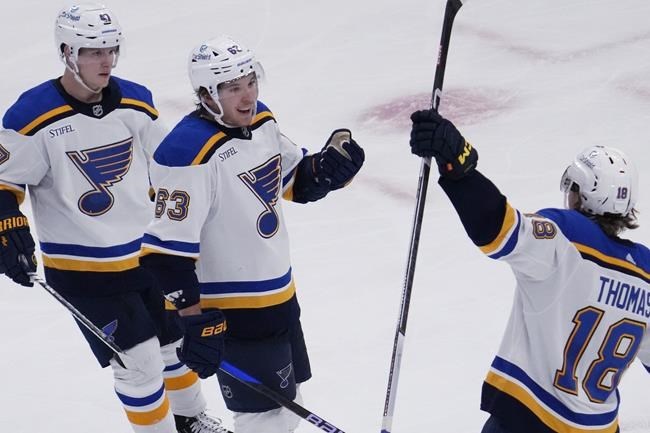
{"x": 264, "y": 182}
{"x": 102, "y": 167}
{"x": 4, "y": 154}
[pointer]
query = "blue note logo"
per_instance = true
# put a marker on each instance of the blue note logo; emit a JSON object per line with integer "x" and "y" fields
{"x": 285, "y": 374}
{"x": 264, "y": 181}
{"x": 102, "y": 167}
{"x": 109, "y": 330}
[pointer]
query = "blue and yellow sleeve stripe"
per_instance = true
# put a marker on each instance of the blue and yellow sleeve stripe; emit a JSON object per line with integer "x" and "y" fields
{"x": 506, "y": 239}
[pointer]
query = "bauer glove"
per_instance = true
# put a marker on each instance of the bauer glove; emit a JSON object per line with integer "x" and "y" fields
{"x": 434, "y": 136}
{"x": 339, "y": 160}
{"x": 203, "y": 342}
{"x": 17, "y": 257}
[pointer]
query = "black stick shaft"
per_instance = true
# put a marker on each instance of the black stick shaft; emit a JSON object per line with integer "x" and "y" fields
{"x": 451, "y": 9}
{"x": 226, "y": 367}
{"x": 294, "y": 407}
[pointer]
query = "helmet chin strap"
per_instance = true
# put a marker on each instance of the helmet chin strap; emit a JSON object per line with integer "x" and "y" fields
{"x": 218, "y": 117}
{"x": 78, "y": 79}
{"x": 71, "y": 65}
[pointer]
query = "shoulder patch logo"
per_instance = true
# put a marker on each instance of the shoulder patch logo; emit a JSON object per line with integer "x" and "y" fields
{"x": 264, "y": 182}
{"x": 4, "y": 154}
{"x": 102, "y": 167}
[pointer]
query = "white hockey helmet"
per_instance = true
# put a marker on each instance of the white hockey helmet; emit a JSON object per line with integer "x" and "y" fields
{"x": 89, "y": 25}
{"x": 606, "y": 181}
{"x": 218, "y": 61}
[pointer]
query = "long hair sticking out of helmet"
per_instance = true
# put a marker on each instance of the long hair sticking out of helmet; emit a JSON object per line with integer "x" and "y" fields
{"x": 217, "y": 61}
{"x": 606, "y": 185}
{"x": 90, "y": 25}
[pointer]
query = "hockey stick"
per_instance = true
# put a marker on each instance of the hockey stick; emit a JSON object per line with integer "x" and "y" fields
{"x": 451, "y": 9}
{"x": 294, "y": 407}
{"x": 225, "y": 366}
{"x": 78, "y": 315}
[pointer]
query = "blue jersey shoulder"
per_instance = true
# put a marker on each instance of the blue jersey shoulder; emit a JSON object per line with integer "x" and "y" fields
{"x": 132, "y": 90}
{"x": 36, "y": 103}
{"x": 261, "y": 108}
{"x": 579, "y": 228}
{"x": 194, "y": 140}
{"x": 182, "y": 145}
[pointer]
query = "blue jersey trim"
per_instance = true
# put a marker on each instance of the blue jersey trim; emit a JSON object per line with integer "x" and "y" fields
{"x": 578, "y": 228}
{"x": 194, "y": 140}
{"x": 549, "y": 400}
{"x": 512, "y": 241}
{"x": 184, "y": 142}
{"x": 246, "y": 286}
{"x": 185, "y": 247}
{"x": 288, "y": 177}
{"x": 174, "y": 367}
{"x": 141, "y": 401}
{"x": 85, "y": 251}
{"x": 132, "y": 90}
{"x": 33, "y": 103}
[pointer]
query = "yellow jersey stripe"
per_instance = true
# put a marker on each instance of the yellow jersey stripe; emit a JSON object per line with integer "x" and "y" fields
{"x": 149, "y": 108}
{"x": 181, "y": 382}
{"x": 508, "y": 222}
{"x": 611, "y": 260}
{"x": 261, "y": 116}
{"x": 288, "y": 194}
{"x": 44, "y": 118}
{"x": 207, "y": 146}
{"x": 88, "y": 266}
{"x": 243, "y": 301}
{"x": 553, "y": 422}
{"x": 149, "y": 418}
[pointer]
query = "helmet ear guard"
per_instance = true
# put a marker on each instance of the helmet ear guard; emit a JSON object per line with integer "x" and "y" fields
{"x": 605, "y": 180}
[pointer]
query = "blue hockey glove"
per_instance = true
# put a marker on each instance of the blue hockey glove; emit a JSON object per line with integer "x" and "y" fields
{"x": 203, "y": 342}
{"x": 434, "y": 136}
{"x": 339, "y": 160}
{"x": 16, "y": 241}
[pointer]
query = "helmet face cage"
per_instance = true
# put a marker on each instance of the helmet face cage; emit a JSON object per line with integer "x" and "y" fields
{"x": 86, "y": 26}
{"x": 220, "y": 60}
{"x": 604, "y": 179}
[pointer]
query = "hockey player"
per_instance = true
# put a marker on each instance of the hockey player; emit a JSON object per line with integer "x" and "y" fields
{"x": 219, "y": 243}
{"x": 581, "y": 311}
{"x": 85, "y": 163}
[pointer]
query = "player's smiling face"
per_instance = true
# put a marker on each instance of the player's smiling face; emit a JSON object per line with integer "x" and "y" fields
{"x": 238, "y": 99}
{"x": 95, "y": 66}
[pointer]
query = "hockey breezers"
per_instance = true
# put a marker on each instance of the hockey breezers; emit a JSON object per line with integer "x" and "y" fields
{"x": 294, "y": 407}
{"x": 451, "y": 9}
{"x": 226, "y": 367}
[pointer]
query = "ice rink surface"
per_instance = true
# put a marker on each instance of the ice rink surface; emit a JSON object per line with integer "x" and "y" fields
{"x": 529, "y": 83}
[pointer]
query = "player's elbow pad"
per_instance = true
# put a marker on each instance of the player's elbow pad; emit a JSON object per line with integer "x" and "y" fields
{"x": 305, "y": 186}
{"x": 479, "y": 204}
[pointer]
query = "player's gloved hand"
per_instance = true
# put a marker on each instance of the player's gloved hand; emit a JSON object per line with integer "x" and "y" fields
{"x": 16, "y": 241}
{"x": 434, "y": 136}
{"x": 203, "y": 342}
{"x": 339, "y": 160}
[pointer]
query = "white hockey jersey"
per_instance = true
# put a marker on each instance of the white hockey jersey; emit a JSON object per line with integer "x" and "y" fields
{"x": 86, "y": 167}
{"x": 581, "y": 315}
{"x": 218, "y": 201}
